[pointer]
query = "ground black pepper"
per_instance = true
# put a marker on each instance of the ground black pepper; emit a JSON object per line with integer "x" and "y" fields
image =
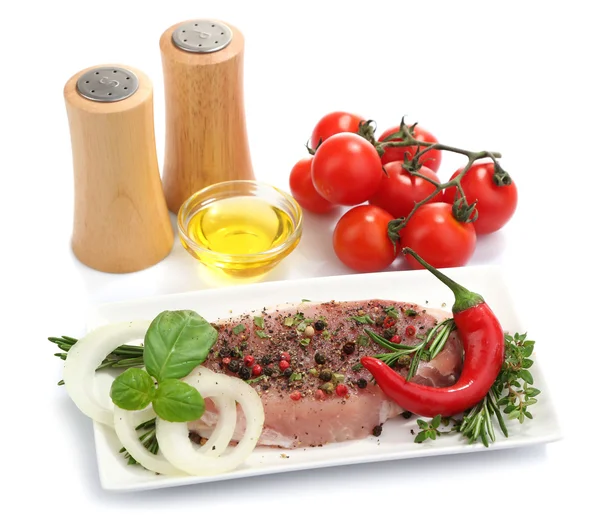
{"x": 361, "y": 383}
{"x": 377, "y": 430}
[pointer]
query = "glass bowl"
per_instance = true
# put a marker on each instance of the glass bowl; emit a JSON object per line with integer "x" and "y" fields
{"x": 242, "y": 228}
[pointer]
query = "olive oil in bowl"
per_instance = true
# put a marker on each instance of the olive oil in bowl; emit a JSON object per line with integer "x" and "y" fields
{"x": 243, "y": 228}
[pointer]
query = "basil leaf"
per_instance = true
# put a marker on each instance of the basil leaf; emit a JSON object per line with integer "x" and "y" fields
{"x": 176, "y": 342}
{"x": 239, "y": 329}
{"x": 178, "y": 402}
{"x": 259, "y": 322}
{"x": 133, "y": 389}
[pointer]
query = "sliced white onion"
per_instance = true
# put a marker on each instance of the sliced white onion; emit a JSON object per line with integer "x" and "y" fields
{"x": 125, "y": 423}
{"x": 86, "y": 355}
{"x": 176, "y": 446}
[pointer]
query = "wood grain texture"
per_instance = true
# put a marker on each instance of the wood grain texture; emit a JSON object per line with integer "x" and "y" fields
{"x": 121, "y": 221}
{"x": 205, "y": 135}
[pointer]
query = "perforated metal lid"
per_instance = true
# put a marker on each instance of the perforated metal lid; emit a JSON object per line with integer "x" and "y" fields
{"x": 107, "y": 84}
{"x": 202, "y": 36}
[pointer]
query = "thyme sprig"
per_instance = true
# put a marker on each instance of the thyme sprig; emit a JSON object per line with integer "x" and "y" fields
{"x": 124, "y": 356}
{"x": 148, "y": 439}
{"x": 511, "y": 394}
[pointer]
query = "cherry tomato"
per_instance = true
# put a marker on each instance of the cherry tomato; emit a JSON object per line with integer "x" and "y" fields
{"x": 346, "y": 169}
{"x": 431, "y": 159}
{"x": 303, "y": 190}
{"x": 334, "y": 123}
{"x": 360, "y": 239}
{"x": 400, "y": 190}
{"x": 434, "y": 234}
{"x": 496, "y": 203}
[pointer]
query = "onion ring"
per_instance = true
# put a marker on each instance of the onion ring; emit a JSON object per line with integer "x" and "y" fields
{"x": 176, "y": 446}
{"x": 84, "y": 358}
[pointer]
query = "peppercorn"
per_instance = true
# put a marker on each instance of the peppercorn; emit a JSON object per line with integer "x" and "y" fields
{"x": 395, "y": 339}
{"x": 406, "y": 414}
{"x": 226, "y": 361}
{"x": 295, "y": 395}
{"x": 377, "y": 430}
{"x": 268, "y": 371}
{"x": 224, "y": 352}
{"x": 327, "y": 387}
{"x": 194, "y": 437}
{"x": 287, "y": 372}
{"x": 319, "y": 325}
{"x": 379, "y": 320}
{"x": 234, "y": 366}
{"x": 309, "y": 331}
{"x": 265, "y": 386}
{"x": 341, "y": 390}
{"x": 362, "y": 383}
{"x": 248, "y": 360}
{"x": 349, "y": 348}
{"x": 319, "y": 394}
{"x": 285, "y": 356}
{"x": 283, "y": 365}
{"x": 256, "y": 370}
{"x": 266, "y": 360}
{"x": 320, "y": 358}
{"x": 245, "y": 373}
{"x": 326, "y": 375}
{"x": 388, "y": 333}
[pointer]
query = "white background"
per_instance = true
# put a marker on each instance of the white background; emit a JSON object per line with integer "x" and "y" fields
{"x": 516, "y": 77}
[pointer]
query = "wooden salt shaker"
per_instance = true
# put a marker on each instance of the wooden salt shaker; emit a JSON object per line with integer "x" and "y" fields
{"x": 206, "y": 140}
{"x": 121, "y": 220}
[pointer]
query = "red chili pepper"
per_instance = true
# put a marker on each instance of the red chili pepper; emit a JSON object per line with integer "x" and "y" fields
{"x": 483, "y": 341}
{"x": 388, "y": 322}
{"x": 410, "y": 331}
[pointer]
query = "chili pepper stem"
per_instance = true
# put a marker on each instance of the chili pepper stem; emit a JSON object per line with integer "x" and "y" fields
{"x": 463, "y": 298}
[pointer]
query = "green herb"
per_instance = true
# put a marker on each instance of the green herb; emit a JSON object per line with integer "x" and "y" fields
{"x": 357, "y": 367}
{"x": 302, "y": 326}
{"x": 409, "y": 312}
{"x": 362, "y": 340}
{"x": 239, "y": 329}
{"x": 338, "y": 378}
{"x": 434, "y": 341}
{"x": 288, "y": 321}
{"x": 326, "y": 335}
{"x": 133, "y": 390}
{"x": 257, "y": 379}
{"x": 177, "y": 401}
{"x": 176, "y": 342}
{"x": 305, "y": 342}
{"x": 259, "y": 322}
{"x": 429, "y": 430}
{"x": 391, "y": 312}
{"x": 294, "y": 377}
{"x": 261, "y": 334}
{"x": 512, "y": 390}
{"x": 363, "y": 319}
{"x": 306, "y": 301}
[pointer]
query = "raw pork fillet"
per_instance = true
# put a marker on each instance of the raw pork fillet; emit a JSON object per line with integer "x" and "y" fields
{"x": 313, "y": 420}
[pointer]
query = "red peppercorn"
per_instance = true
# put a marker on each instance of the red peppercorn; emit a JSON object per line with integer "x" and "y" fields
{"x": 248, "y": 360}
{"x": 388, "y": 322}
{"x": 341, "y": 390}
{"x": 285, "y": 356}
{"x": 410, "y": 331}
{"x": 319, "y": 394}
{"x": 226, "y": 361}
{"x": 395, "y": 339}
{"x": 295, "y": 395}
{"x": 283, "y": 365}
{"x": 256, "y": 370}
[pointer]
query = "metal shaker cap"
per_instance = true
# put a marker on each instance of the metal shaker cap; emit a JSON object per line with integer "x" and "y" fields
{"x": 106, "y": 84}
{"x": 202, "y": 36}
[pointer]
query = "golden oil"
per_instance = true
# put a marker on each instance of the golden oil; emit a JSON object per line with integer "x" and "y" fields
{"x": 240, "y": 226}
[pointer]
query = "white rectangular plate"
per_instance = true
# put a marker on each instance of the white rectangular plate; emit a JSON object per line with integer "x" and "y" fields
{"x": 396, "y": 441}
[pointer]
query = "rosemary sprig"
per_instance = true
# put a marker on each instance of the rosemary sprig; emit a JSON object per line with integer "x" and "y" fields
{"x": 121, "y": 358}
{"x": 148, "y": 439}
{"x": 512, "y": 390}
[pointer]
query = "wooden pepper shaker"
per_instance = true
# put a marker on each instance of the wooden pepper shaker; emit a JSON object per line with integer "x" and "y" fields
{"x": 121, "y": 221}
{"x": 206, "y": 140}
